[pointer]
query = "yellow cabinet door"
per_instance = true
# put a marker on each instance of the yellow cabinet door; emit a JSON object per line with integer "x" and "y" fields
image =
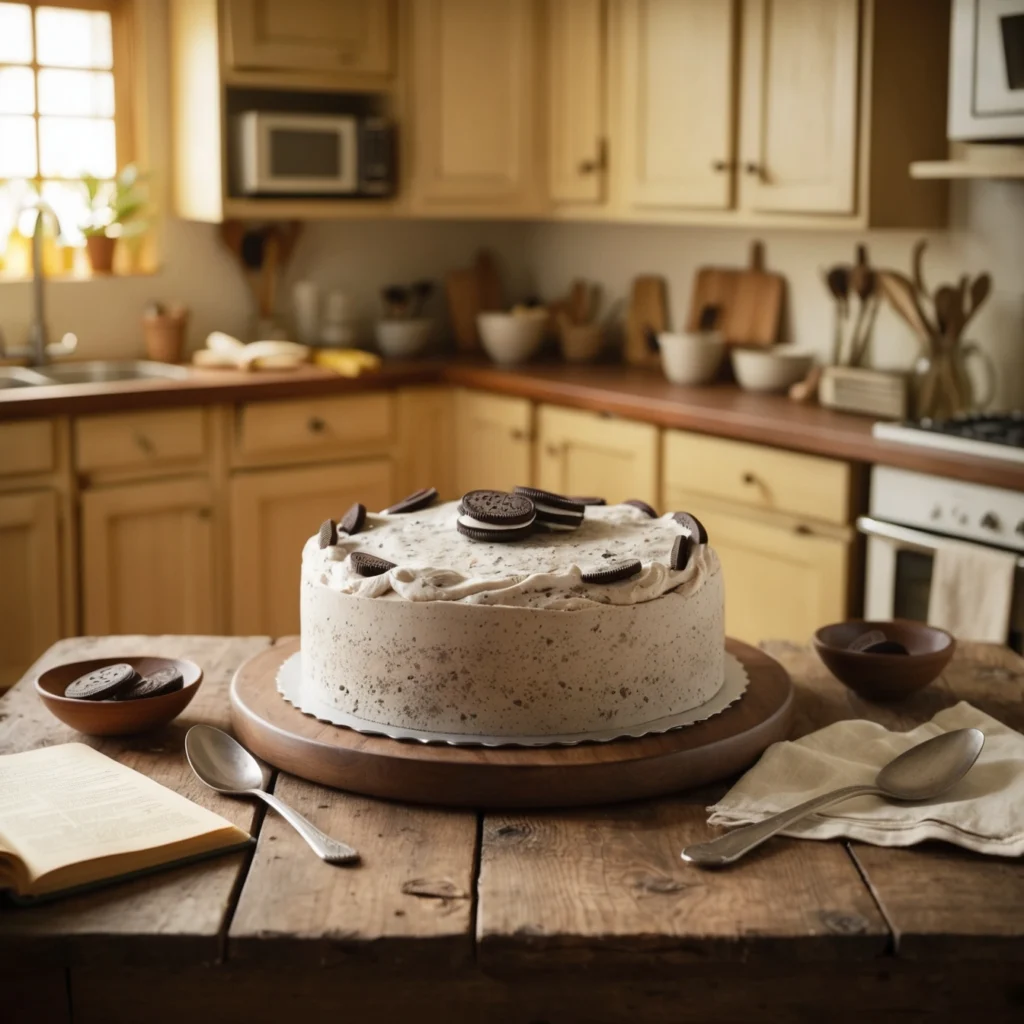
{"x": 273, "y": 514}
{"x": 798, "y": 115}
{"x": 473, "y": 105}
{"x": 576, "y": 101}
{"x": 426, "y": 441}
{"x": 149, "y": 561}
{"x": 783, "y": 578}
{"x": 30, "y": 603}
{"x": 586, "y": 454}
{"x": 678, "y": 80}
{"x": 493, "y": 442}
{"x": 309, "y": 35}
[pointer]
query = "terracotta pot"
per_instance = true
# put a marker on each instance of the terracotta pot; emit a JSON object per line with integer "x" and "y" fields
{"x": 101, "y": 252}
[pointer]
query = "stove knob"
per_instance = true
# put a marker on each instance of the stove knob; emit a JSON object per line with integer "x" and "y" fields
{"x": 960, "y": 517}
{"x": 1020, "y": 527}
{"x": 990, "y": 521}
{"x": 936, "y": 512}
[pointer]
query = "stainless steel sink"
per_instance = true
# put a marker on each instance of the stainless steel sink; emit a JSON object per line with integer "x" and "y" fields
{"x": 19, "y": 377}
{"x": 106, "y": 371}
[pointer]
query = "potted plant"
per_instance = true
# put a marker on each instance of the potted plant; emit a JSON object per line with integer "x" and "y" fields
{"x": 115, "y": 211}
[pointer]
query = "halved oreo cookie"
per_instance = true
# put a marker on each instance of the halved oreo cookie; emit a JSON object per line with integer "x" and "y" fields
{"x": 328, "y": 534}
{"x": 354, "y": 519}
{"x": 589, "y": 500}
{"x": 370, "y": 565}
{"x": 555, "y": 511}
{"x": 156, "y": 684}
{"x": 642, "y": 505}
{"x": 692, "y": 525}
{"x": 423, "y": 498}
{"x": 494, "y": 534}
{"x": 615, "y": 572}
{"x": 102, "y": 683}
{"x": 495, "y": 516}
{"x": 681, "y": 551}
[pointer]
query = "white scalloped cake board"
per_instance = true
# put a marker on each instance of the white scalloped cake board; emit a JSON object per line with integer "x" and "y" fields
{"x": 289, "y": 681}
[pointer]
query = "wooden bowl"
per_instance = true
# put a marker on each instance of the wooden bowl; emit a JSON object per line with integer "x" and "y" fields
{"x": 885, "y": 677}
{"x": 117, "y": 717}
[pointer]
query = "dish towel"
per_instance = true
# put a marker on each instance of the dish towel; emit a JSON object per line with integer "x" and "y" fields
{"x": 983, "y": 812}
{"x": 971, "y": 592}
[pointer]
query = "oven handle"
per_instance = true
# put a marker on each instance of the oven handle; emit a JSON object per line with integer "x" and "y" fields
{"x": 914, "y": 540}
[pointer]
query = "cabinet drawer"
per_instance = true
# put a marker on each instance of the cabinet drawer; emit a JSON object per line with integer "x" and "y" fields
{"x": 757, "y": 476}
{"x": 146, "y": 440}
{"x": 27, "y": 447}
{"x": 312, "y": 427}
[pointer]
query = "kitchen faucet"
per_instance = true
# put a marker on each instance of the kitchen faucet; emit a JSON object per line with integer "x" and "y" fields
{"x": 38, "y": 351}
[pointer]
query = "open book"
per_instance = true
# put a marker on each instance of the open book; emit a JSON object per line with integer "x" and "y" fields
{"x": 70, "y": 817}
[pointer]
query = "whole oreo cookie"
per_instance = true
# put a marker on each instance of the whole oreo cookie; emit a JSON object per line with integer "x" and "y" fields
{"x": 370, "y": 565}
{"x": 681, "y": 551}
{"x": 423, "y": 498}
{"x": 156, "y": 684}
{"x": 555, "y": 511}
{"x": 354, "y": 519}
{"x": 327, "y": 536}
{"x": 692, "y": 525}
{"x": 495, "y": 516}
{"x": 102, "y": 683}
{"x": 642, "y": 505}
{"x": 614, "y": 573}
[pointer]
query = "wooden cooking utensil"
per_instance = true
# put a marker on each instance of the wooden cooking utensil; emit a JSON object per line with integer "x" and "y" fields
{"x": 648, "y": 310}
{"x": 462, "y": 288}
{"x": 900, "y": 292}
{"x": 979, "y": 292}
{"x": 491, "y": 292}
{"x": 838, "y": 281}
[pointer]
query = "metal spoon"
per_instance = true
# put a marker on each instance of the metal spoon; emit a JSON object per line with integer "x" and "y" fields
{"x": 226, "y": 766}
{"x": 920, "y": 773}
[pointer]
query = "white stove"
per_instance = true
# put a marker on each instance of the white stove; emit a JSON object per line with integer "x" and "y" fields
{"x": 987, "y": 436}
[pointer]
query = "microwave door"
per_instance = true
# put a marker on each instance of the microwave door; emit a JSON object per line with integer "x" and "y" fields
{"x": 295, "y": 155}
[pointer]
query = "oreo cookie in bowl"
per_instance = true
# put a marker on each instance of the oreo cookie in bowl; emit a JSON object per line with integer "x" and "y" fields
{"x": 119, "y": 696}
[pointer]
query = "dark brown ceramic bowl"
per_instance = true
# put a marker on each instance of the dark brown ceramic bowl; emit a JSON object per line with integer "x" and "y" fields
{"x": 884, "y": 677}
{"x": 117, "y": 717}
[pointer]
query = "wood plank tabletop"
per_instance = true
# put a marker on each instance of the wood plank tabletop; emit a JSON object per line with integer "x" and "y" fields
{"x": 541, "y": 910}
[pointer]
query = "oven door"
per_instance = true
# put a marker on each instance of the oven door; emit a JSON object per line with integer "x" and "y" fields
{"x": 899, "y": 576}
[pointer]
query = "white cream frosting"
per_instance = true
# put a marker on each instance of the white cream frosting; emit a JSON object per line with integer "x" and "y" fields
{"x": 434, "y": 562}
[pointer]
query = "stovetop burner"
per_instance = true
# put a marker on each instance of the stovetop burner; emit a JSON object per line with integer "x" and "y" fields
{"x": 986, "y": 435}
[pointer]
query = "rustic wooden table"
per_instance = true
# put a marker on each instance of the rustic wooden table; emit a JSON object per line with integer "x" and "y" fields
{"x": 556, "y": 916}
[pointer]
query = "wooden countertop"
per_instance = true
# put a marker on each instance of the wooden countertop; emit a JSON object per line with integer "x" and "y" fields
{"x": 574, "y": 916}
{"x": 722, "y": 410}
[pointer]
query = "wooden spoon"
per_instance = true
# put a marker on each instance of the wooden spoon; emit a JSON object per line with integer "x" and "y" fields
{"x": 838, "y": 281}
{"x": 979, "y": 292}
{"x": 900, "y": 292}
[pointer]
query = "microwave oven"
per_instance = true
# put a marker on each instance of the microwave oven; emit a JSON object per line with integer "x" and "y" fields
{"x": 986, "y": 64}
{"x": 282, "y": 153}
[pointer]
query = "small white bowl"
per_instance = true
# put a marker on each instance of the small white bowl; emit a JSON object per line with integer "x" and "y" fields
{"x": 770, "y": 369}
{"x": 691, "y": 358}
{"x": 510, "y": 338}
{"x": 402, "y": 339}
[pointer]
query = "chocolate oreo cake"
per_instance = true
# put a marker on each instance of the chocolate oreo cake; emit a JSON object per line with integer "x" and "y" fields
{"x": 489, "y": 617}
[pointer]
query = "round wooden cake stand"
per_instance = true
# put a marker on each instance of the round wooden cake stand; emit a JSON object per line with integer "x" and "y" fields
{"x": 591, "y": 773}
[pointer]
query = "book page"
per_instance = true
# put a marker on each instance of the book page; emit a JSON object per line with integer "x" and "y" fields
{"x": 65, "y": 804}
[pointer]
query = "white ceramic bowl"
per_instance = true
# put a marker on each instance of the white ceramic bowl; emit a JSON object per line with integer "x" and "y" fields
{"x": 402, "y": 339}
{"x": 512, "y": 337}
{"x": 769, "y": 369}
{"x": 691, "y": 358}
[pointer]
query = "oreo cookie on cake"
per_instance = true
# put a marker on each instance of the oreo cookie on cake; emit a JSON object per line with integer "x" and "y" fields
{"x": 554, "y": 511}
{"x": 495, "y": 516}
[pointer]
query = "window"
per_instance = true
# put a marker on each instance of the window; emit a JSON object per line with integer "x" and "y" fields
{"x": 61, "y": 116}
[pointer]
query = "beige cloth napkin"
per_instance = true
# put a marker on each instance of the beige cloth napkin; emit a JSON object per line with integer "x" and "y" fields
{"x": 971, "y": 591}
{"x": 983, "y": 812}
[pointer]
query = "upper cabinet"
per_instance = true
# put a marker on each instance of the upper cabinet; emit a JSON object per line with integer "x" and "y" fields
{"x": 678, "y": 83}
{"x": 309, "y": 35}
{"x": 474, "y": 145}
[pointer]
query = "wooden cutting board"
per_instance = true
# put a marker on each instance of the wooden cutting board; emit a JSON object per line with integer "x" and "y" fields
{"x": 471, "y": 291}
{"x": 750, "y": 300}
{"x": 648, "y": 308}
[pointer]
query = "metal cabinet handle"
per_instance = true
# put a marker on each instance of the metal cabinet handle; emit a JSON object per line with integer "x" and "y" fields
{"x": 803, "y": 530}
{"x": 144, "y": 444}
{"x": 517, "y": 435}
{"x": 316, "y": 425}
{"x": 722, "y": 165}
{"x": 749, "y": 478}
{"x": 752, "y": 168}
{"x": 599, "y": 163}
{"x": 204, "y": 512}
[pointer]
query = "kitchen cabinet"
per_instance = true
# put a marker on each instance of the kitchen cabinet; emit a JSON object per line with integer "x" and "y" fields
{"x": 493, "y": 442}
{"x": 424, "y": 456}
{"x": 577, "y": 75}
{"x": 30, "y": 594}
{"x": 474, "y": 130}
{"x": 149, "y": 562}
{"x": 309, "y": 35}
{"x": 272, "y": 515}
{"x": 678, "y": 81}
{"x": 588, "y": 454}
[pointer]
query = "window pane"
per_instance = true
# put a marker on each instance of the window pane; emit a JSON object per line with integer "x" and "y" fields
{"x": 69, "y": 202}
{"x": 74, "y": 39}
{"x": 69, "y": 147}
{"x": 76, "y": 92}
{"x": 15, "y": 34}
{"x": 17, "y": 91}
{"x": 18, "y": 153}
